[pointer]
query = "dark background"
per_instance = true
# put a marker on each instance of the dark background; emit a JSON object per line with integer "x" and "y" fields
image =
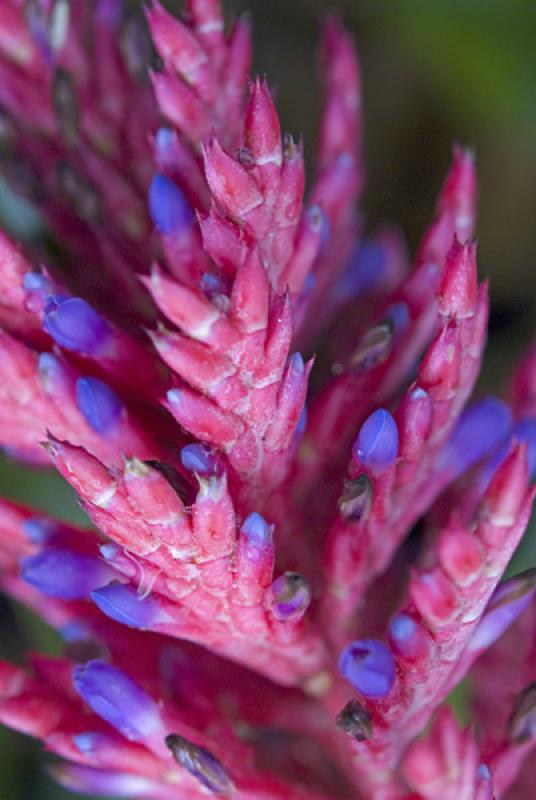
{"x": 434, "y": 72}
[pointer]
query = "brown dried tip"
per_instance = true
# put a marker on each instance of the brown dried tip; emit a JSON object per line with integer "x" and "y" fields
{"x": 355, "y": 721}
{"x": 522, "y": 723}
{"x": 374, "y": 347}
{"x": 201, "y": 764}
{"x": 66, "y": 105}
{"x": 356, "y": 499}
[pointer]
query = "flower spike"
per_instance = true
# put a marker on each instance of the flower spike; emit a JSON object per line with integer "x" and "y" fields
{"x": 300, "y": 515}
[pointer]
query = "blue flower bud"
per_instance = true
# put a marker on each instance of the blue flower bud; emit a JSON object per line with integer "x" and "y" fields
{"x": 95, "y": 743}
{"x": 168, "y": 207}
{"x": 198, "y": 458}
{"x": 479, "y": 430}
{"x": 88, "y": 743}
{"x": 369, "y": 666}
{"x": 75, "y": 325}
{"x": 215, "y": 286}
{"x": 164, "y": 138}
{"x": 109, "y": 12}
{"x": 297, "y": 364}
{"x": 257, "y": 530}
{"x": 365, "y": 271}
{"x": 62, "y": 573}
{"x": 402, "y": 628}
{"x": 51, "y": 371}
{"x": 75, "y": 632}
{"x": 37, "y": 282}
{"x": 39, "y": 529}
{"x": 377, "y": 443}
{"x": 399, "y": 316}
{"x": 525, "y": 431}
{"x": 302, "y": 423}
{"x": 100, "y": 406}
{"x": 121, "y": 602}
{"x": 102, "y": 782}
{"x": 509, "y": 600}
{"x": 117, "y": 699}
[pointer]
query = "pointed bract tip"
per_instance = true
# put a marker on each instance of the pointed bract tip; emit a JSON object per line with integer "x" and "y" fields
{"x": 457, "y": 296}
{"x": 262, "y": 133}
{"x": 508, "y": 488}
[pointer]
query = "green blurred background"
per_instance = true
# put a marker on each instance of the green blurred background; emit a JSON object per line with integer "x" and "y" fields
{"x": 434, "y": 72}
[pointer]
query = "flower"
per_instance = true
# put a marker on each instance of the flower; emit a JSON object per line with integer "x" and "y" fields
{"x": 246, "y": 623}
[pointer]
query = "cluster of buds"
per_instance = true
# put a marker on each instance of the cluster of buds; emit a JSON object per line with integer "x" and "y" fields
{"x": 247, "y": 621}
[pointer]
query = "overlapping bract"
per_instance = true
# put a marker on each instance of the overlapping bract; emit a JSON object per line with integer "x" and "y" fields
{"x": 240, "y": 625}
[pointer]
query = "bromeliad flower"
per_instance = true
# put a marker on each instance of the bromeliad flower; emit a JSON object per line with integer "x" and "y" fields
{"x": 245, "y": 622}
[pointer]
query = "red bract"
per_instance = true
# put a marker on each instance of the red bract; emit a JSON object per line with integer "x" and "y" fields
{"x": 247, "y": 622}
